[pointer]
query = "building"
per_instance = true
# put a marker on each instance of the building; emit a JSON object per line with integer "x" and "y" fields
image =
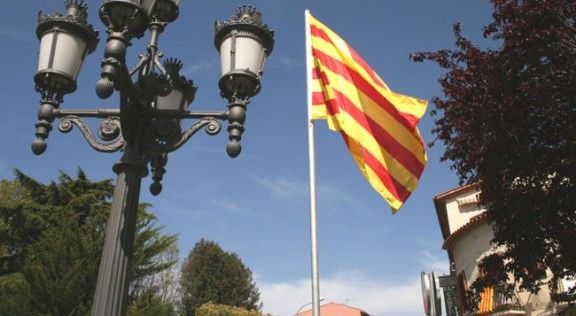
{"x": 335, "y": 309}
{"x": 467, "y": 233}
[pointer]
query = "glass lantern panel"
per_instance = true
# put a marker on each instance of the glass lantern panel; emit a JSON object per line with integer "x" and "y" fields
{"x": 225, "y": 56}
{"x": 173, "y": 101}
{"x": 45, "y": 50}
{"x": 249, "y": 54}
{"x": 69, "y": 54}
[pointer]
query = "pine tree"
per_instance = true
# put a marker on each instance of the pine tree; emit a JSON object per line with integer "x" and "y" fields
{"x": 210, "y": 274}
{"x": 51, "y": 239}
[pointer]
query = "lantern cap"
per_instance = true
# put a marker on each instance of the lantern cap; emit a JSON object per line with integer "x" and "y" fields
{"x": 74, "y": 21}
{"x": 166, "y": 10}
{"x": 129, "y": 17}
{"x": 173, "y": 67}
{"x": 249, "y": 19}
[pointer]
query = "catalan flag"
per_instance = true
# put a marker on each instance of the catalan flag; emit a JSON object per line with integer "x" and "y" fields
{"x": 377, "y": 124}
{"x": 486, "y": 304}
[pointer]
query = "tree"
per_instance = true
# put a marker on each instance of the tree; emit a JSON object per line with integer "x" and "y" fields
{"x": 507, "y": 121}
{"x": 210, "y": 274}
{"x": 51, "y": 238}
{"x": 210, "y": 309}
{"x": 157, "y": 294}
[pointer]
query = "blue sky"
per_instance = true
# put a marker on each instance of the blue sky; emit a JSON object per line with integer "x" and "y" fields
{"x": 257, "y": 204}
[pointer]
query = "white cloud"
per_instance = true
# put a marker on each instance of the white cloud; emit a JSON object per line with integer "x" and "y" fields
{"x": 231, "y": 207}
{"x": 376, "y": 297}
{"x": 283, "y": 189}
{"x": 200, "y": 65}
{"x": 331, "y": 197}
{"x": 334, "y": 198}
{"x": 290, "y": 62}
{"x": 430, "y": 262}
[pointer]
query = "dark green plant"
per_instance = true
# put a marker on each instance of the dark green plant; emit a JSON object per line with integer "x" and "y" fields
{"x": 51, "y": 239}
{"x": 209, "y": 274}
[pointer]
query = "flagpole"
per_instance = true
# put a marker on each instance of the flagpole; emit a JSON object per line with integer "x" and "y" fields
{"x": 312, "y": 163}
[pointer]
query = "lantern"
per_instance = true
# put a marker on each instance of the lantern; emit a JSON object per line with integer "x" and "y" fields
{"x": 244, "y": 42}
{"x": 65, "y": 40}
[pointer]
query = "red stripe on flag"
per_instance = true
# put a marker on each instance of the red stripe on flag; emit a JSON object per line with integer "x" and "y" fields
{"x": 382, "y": 137}
{"x": 357, "y": 80}
{"x": 395, "y": 188}
{"x": 316, "y": 73}
{"x": 318, "y": 98}
{"x": 367, "y": 67}
{"x": 316, "y": 31}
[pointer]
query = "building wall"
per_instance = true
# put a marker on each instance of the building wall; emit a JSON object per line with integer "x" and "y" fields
{"x": 469, "y": 249}
{"x": 461, "y": 208}
{"x": 469, "y": 241}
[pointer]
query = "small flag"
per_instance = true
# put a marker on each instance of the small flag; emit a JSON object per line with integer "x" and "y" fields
{"x": 486, "y": 304}
{"x": 377, "y": 124}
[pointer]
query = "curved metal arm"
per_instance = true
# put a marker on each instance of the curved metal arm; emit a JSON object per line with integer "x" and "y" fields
{"x": 108, "y": 131}
{"x": 212, "y": 126}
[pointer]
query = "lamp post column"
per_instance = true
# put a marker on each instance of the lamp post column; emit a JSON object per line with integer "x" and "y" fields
{"x": 112, "y": 285}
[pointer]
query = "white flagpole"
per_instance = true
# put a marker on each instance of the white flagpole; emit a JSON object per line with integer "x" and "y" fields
{"x": 312, "y": 162}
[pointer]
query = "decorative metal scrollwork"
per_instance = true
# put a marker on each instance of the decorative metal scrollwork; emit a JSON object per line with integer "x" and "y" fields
{"x": 164, "y": 135}
{"x": 211, "y": 125}
{"x": 109, "y": 131}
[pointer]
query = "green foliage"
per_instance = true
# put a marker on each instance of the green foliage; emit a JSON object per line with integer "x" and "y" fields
{"x": 14, "y": 295}
{"x": 507, "y": 121}
{"x": 149, "y": 303}
{"x": 210, "y": 274}
{"x": 59, "y": 270}
{"x": 210, "y": 309}
{"x": 51, "y": 239}
{"x": 155, "y": 292}
{"x": 150, "y": 243}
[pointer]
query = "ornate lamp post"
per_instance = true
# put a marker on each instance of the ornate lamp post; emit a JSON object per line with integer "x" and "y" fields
{"x": 154, "y": 99}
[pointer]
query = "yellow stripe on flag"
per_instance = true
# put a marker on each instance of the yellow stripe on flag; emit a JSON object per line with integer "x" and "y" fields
{"x": 373, "y": 178}
{"x": 337, "y": 48}
{"x": 344, "y": 50}
{"x": 486, "y": 304}
{"x": 407, "y": 138}
{"x": 362, "y": 136}
{"x": 377, "y": 124}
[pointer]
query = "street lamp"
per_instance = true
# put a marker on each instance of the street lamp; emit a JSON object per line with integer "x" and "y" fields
{"x": 243, "y": 45}
{"x": 154, "y": 99}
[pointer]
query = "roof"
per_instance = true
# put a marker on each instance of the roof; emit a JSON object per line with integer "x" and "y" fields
{"x": 474, "y": 222}
{"x": 442, "y": 214}
{"x": 440, "y": 205}
{"x": 335, "y": 309}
